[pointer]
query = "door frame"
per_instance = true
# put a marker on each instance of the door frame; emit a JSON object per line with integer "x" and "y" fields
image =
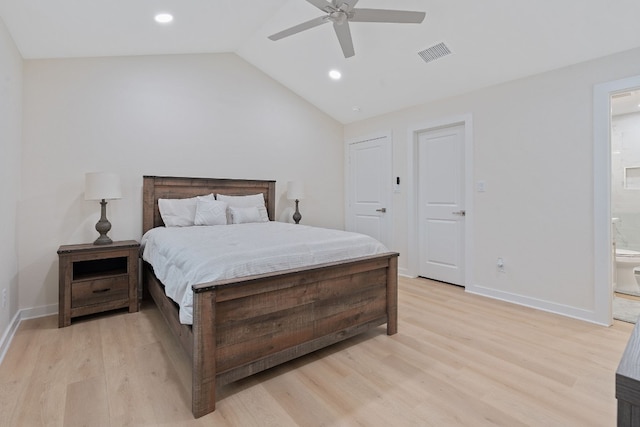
{"x": 603, "y": 266}
{"x": 412, "y": 192}
{"x": 348, "y": 211}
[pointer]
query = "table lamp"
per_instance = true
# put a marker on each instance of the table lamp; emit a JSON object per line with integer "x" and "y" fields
{"x": 295, "y": 191}
{"x": 102, "y": 186}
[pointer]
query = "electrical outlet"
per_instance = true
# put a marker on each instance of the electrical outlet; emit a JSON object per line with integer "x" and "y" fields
{"x": 4, "y": 298}
{"x": 500, "y": 265}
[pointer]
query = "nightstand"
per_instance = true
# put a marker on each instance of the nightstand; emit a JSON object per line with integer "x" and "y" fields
{"x": 97, "y": 278}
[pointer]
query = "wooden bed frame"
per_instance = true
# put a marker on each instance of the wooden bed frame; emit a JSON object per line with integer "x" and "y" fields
{"x": 246, "y": 325}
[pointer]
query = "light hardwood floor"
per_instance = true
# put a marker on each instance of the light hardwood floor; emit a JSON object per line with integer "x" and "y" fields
{"x": 458, "y": 359}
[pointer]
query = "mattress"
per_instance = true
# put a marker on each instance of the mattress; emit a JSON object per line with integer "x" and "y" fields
{"x": 185, "y": 256}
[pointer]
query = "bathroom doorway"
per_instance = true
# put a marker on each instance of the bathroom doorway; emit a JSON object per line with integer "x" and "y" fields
{"x": 604, "y": 259}
{"x": 625, "y": 203}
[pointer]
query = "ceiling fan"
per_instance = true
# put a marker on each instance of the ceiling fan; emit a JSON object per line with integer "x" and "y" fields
{"x": 341, "y": 12}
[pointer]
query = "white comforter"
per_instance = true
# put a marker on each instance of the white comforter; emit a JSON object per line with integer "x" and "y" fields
{"x": 186, "y": 256}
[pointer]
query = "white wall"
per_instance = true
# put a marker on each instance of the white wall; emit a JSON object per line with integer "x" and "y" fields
{"x": 209, "y": 115}
{"x": 625, "y": 201}
{"x": 533, "y": 146}
{"x": 205, "y": 115}
{"x": 10, "y": 128}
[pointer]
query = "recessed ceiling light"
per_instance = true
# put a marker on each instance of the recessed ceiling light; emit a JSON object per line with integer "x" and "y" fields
{"x": 356, "y": 108}
{"x": 163, "y": 18}
{"x": 335, "y": 74}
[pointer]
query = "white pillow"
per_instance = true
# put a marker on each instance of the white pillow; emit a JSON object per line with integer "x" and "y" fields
{"x": 179, "y": 212}
{"x": 245, "y": 215}
{"x": 210, "y": 212}
{"x": 253, "y": 200}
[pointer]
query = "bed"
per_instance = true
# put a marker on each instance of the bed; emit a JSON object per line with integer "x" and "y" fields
{"x": 245, "y": 325}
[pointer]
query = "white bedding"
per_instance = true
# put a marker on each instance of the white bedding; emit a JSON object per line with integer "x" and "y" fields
{"x": 186, "y": 256}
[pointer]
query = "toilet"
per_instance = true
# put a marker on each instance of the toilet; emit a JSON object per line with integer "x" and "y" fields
{"x": 627, "y": 271}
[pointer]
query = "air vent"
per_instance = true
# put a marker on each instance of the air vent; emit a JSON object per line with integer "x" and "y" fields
{"x": 434, "y": 52}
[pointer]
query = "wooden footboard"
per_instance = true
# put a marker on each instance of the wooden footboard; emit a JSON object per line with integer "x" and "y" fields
{"x": 244, "y": 326}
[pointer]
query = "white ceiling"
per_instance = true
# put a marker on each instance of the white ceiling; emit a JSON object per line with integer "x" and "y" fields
{"x": 492, "y": 41}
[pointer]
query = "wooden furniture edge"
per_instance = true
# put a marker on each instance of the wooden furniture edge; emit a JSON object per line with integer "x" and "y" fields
{"x": 628, "y": 382}
{"x": 90, "y": 247}
{"x": 225, "y": 283}
{"x": 203, "y": 389}
{"x": 392, "y": 295}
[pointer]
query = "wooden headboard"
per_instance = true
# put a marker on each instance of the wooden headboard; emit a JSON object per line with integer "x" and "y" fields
{"x": 167, "y": 187}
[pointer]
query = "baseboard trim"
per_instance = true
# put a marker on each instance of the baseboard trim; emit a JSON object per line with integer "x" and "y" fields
{"x": 7, "y": 337}
{"x": 35, "y": 312}
{"x": 538, "y": 304}
{"x": 24, "y": 314}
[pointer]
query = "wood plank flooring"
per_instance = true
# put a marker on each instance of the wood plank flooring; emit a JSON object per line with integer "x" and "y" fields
{"x": 458, "y": 360}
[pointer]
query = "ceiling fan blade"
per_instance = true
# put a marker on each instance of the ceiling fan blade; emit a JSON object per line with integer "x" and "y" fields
{"x": 323, "y": 5}
{"x": 300, "y": 27}
{"x": 344, "y": 37}
{"x": 383, "y": 15}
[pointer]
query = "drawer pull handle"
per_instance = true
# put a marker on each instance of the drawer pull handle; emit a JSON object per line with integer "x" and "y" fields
{"x": 100, "y": 291}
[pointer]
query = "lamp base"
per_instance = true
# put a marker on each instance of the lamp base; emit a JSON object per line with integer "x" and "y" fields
{"x": 103, "y": 226}
{"x": 103, "y": 240}
{"x": 296, "y": 216}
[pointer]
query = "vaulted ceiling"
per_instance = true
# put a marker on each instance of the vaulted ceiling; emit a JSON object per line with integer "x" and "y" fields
{"x": 491, "y": 41}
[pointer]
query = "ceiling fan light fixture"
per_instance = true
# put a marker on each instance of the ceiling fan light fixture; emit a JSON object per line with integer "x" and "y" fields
{"x": 335, "y": 74}
{"x": 163, "y": 18}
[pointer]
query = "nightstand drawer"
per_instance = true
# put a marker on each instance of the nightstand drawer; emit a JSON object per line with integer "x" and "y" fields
{"x": 99, "y": 291}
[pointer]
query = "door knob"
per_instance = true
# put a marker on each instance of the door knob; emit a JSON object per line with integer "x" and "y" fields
{"x": 461, "y": 213}
{"x": 383, "y": 210}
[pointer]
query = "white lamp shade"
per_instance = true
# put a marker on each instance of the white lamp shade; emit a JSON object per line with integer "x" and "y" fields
{"x": 295, "y": 190}
{"x": 102, "y": 185}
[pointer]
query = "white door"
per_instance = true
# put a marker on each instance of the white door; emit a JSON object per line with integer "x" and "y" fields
{"x": 369, "y": 188}
{"x": 441, "y": 214}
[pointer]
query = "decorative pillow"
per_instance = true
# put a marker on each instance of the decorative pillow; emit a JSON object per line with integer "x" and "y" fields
{"x": 179, "y": 212}
{"x": 245, "y": 215}
{"x": 253, "y": 200}
{"x": 210, "y": 212}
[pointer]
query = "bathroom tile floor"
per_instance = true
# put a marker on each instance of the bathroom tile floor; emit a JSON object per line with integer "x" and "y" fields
{"x": 627, "y": 296}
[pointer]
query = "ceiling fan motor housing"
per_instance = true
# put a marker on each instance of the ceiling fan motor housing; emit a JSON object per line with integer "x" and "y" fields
{"x": 339, "y": 17}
